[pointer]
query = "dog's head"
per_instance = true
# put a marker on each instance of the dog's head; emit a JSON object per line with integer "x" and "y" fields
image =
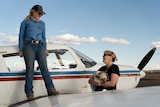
{"x": 100, "y": 77}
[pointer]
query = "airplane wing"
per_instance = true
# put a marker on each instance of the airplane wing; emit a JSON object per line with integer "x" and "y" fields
{"x": 138, "y": 97}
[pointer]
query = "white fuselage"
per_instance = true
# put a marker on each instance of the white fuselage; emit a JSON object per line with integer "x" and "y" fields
{"x": 69, "y": 71}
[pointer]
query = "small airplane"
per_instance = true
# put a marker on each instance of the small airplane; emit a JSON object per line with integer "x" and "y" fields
{"x": 69, "y": 70}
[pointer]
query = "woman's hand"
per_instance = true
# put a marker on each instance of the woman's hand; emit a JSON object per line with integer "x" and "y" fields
{"x": 20, "y": 54}
{"x": 47, "y": 53}
{"x": 92, "y": 82}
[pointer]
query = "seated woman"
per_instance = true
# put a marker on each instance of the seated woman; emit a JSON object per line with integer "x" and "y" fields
{"x": 111, "y": 69}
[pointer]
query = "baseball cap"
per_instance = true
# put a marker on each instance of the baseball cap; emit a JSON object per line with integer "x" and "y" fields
{"x": 38, "y": 8}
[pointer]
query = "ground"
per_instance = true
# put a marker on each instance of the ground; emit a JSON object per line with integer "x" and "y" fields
{"x": 151, "y": 79}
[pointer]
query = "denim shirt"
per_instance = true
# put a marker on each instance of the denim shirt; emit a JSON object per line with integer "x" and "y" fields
{"x": 31, "y": 30}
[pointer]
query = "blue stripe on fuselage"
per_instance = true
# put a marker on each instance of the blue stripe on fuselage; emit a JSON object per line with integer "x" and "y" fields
{"x": 63, "y": 73}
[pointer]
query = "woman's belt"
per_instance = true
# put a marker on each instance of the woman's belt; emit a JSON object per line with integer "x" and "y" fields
{"x": 35, "y": 42}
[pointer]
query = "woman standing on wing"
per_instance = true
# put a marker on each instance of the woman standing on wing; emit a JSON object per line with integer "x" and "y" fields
{"x": 32, "y": 45}
{"x": 111, "y": 69}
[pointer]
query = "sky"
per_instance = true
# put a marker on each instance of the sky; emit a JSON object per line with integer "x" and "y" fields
{"x": 130, "y": 28}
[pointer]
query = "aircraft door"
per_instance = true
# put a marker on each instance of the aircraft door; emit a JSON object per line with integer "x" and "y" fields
{"x": 64, "y": 72}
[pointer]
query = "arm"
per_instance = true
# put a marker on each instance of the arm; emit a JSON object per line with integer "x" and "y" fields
{"x": 44, "y": 39}
{"x": 112, "y": 82}
{"x": 21, "y": 38}
{"x": 44, "y": 36}
{"x": 21, "y": 35}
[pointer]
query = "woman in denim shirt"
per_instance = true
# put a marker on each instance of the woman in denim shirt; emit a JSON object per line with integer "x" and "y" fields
{"x": 32, "y": 46}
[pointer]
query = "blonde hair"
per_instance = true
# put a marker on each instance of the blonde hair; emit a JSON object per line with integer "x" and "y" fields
{"x": 30, "y": 14}
{"x": 111, "y": 53}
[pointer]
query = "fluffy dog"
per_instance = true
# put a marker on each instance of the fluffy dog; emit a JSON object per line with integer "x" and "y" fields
{"x": 100, "y": 77}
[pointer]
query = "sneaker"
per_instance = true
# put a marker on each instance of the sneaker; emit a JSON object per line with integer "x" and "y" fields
{"x": 53, "y": 92}
{"x": 30, "y": 97}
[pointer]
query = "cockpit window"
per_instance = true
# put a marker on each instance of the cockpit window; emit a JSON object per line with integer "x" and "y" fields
{"x": 60, "y": 59}
{"x": 57, "y": 59}
{"x": 14, "y": 62}
{"x": 88, "y": 62}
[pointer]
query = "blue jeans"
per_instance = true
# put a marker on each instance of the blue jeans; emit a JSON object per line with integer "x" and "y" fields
{"x": 31, "y": 53}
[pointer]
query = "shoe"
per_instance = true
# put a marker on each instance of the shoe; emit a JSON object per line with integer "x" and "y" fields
{"x": 30, "y": 97}
{"x": 53, "y": 92}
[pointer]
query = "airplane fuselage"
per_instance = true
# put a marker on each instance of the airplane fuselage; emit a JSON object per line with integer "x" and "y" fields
{"x": 69, "y": 70}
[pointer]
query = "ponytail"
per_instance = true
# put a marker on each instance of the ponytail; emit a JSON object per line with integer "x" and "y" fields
{"x": 30, "y": 14}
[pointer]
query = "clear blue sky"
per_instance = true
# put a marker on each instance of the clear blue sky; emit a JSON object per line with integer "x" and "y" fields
{"x": 130, "y": 28}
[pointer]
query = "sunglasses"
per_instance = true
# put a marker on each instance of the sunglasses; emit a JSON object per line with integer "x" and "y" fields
{"x": 40, "y": 14}
{"x": 107, "y": 55}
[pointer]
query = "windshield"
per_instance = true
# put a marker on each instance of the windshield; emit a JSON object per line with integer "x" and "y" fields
{"x": 88, "y": 62}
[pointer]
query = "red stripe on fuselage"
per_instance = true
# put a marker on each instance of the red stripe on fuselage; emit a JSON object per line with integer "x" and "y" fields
{"x": 59, "y": 77}
{"x": 129, "y": 75}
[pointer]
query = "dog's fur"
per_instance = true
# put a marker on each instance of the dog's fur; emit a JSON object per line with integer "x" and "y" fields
{"x": 100, "y": 77}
